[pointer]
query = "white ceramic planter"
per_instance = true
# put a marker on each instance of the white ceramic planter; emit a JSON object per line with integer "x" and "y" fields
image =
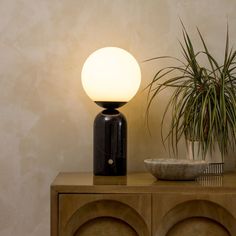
{"x": 214, "y": 159}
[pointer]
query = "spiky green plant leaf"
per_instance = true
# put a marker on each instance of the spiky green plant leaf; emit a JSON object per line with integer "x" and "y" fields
{"x": 203, "y": 104}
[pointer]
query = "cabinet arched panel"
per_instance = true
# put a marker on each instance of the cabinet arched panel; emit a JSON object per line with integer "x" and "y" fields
{"x": 196, "y": 226}
{"x": 194, "y": 217}
{"x": 106, "y": 226}
{"x": 87, "y": 214}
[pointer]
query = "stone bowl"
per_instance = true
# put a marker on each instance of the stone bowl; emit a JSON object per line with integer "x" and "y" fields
{"x": 175, "y": 169}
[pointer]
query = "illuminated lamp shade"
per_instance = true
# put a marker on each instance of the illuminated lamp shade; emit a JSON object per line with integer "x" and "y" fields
{"x": 111, "y": 74}
{"x": 111, "y": 77}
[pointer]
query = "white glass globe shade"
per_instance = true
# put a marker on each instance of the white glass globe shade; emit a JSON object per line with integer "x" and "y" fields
{"x": 111, "y": 74}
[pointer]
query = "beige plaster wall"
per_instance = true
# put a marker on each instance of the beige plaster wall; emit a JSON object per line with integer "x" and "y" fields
{"x": 45, "y": 116}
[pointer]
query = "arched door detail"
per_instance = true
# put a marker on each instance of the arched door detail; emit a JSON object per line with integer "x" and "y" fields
{"x": 106, "y": 212}
{"x": 197, "y": 211}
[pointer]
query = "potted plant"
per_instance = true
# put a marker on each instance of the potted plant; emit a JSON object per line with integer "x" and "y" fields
{"x": 203, "y": 103}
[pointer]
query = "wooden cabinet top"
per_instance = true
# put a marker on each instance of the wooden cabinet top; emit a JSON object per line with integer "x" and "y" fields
{"x": 140, "y": 183}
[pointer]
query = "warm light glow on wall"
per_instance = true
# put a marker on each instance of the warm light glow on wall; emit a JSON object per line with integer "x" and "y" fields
{"x": 111, "y": 74}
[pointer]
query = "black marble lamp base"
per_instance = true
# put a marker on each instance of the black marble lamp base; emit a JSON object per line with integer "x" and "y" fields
{"x": 110, "y": 143}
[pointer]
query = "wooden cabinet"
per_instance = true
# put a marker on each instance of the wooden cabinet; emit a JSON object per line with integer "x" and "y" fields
{"x": 109, "y": 214}
{"x": 138, "y": 205}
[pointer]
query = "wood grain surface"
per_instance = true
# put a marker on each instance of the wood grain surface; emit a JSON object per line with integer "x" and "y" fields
{"x": 138, "y": 204}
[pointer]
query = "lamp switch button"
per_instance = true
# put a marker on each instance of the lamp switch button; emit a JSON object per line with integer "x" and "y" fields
{"x": 110, "y": 161}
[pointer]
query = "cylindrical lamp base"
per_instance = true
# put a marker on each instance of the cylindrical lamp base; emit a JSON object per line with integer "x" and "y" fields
{"x": 110, "y": 143}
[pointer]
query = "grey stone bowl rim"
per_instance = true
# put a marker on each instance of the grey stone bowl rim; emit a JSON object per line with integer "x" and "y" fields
{"x": 173, "y": 161}
{"x": 162, "y": 169}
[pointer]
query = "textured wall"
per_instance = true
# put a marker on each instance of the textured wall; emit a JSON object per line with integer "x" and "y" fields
{"x": 45, "y": 116}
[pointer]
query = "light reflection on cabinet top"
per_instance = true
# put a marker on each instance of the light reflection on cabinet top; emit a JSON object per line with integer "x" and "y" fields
{"x": 140, "y": 183}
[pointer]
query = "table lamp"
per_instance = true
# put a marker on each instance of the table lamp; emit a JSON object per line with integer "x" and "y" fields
{"x": 111, "y": 77}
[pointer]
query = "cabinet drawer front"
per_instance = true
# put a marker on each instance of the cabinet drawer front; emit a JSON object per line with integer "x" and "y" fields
{"x": 194, "y": 214}
{"x": 105, "y": 214}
